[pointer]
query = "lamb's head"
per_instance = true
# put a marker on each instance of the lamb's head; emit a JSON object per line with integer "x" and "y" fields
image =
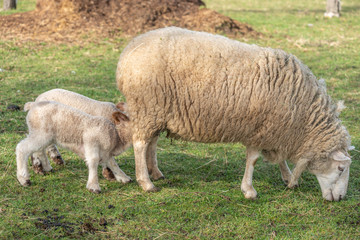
{"x": 122, "y": 123}
{"x": 333, "y": 175}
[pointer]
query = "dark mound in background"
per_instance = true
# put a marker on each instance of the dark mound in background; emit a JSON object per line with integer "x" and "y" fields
{"x": 81, "y": 20}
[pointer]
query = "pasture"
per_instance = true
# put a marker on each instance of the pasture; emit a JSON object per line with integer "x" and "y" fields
{"x": 200, "y": 197}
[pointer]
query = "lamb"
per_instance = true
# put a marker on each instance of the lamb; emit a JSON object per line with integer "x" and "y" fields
{"x": 84, "y": 104}
{"x": 208, "y": 88}
{"x": 93, "y": 138}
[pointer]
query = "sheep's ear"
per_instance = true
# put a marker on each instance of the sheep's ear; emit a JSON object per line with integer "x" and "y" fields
{"x": 340, "y": 156}
{"x": 121, "y": 106}
{"x": 119, "y": 116}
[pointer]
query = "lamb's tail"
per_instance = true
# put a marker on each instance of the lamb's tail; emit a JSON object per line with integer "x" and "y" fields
{"x": 27, "y": 106}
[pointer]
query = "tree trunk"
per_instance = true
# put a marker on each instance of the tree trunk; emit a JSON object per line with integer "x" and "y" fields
{"x": 332, "y": 8}
{"x": 9, "y": 4}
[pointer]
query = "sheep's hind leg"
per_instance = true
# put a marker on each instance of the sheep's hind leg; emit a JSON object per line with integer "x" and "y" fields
{"x": 285, "y": 172}
{"x": 151, "y": 160}
{"x": 117, "y": 172}
{"x": 142, "y": 174}
{"x": 55, "y": 154}
{"x": 246, "y": 184}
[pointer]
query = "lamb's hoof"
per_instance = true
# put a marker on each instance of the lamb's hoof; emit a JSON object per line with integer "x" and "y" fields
{"x": 108, "y": 174}
{"x": 58, "y": 160}
{"x": 38, "y": 169}
{"x": 96, "y": 191}
{"x": 27, "y": 183}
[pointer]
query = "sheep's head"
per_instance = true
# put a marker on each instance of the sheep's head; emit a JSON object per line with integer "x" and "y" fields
{"x": 333, "y": 179}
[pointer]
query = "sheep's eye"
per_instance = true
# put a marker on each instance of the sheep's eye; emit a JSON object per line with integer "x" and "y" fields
{"x": 341, "y": 169}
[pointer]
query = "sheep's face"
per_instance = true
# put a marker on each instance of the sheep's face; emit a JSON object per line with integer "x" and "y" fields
{"x": 334, "y": 179}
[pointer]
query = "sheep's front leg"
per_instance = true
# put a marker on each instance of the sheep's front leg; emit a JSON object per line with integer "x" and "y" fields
{"x": 151, "y": 160}
{"x": 285, "y": 172}
{"x": 92, "y": 160}
{"x": 118, "y": 173}
{"x": 142, "y": 174}
{"x": 55, "y": 154}
{"x": 246, "y": 184}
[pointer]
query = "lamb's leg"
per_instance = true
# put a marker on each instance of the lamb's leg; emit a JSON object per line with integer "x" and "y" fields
{"x": 55, "y": 154}
{"x": 118, "y": 173}
{"x": 23, "y": 150}
{"x": 108, "y": 174}
{"x": 40, "y": 162}
{"x": 142, "y": 174}
{"x": 151, "y": 160}
{"x": 92, "y": 161}
{"x": 246, "y": 184}
{"x": 285, "y": 172}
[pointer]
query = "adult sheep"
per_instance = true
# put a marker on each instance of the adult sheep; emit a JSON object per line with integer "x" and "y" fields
{"x": 208, "y": 88}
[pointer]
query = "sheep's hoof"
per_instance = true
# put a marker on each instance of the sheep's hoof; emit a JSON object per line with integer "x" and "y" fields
{"x": 158, "y": 178}
{"x": 293, "y": 185}
{"x": 127, "y": 180}
{"x": 154, "y": 189}
{"x": 108, "y": 174}
{"x": 58, "y": 160}
{"x": 250, "y": 193}
{"x": 96, "y": 191}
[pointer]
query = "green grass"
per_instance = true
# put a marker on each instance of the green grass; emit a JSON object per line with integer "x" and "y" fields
{"x": 201, "y": 196}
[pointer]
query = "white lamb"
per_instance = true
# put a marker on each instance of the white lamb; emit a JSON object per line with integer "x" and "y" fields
{"x": 93, "y": 138}
{"x": 82, "y": 103}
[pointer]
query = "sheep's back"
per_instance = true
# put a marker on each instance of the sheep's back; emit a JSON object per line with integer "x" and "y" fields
{"x": 208, "y": 88}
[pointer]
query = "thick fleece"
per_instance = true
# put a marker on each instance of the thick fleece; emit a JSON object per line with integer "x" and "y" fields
{"x": 208, "y": 88}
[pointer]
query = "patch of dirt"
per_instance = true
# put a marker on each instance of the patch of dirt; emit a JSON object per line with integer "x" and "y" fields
{"x": 88, "y": 20}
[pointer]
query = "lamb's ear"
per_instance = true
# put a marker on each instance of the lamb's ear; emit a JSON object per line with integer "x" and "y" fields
{"x": 121, "y": 106}
{"x": 119, "y": 116}
{"x": 340, "y": 156}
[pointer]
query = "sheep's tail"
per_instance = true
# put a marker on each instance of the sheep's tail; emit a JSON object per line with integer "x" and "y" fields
{"x": 27, "y": 106}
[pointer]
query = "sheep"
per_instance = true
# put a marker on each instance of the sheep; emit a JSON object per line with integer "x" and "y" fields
{"x": 96, "y": 139}
{"x": 84, "y": 104}
{"x": 207, "y": 88}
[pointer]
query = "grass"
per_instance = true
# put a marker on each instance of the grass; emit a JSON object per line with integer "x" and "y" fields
{"x": 201, "y": 196}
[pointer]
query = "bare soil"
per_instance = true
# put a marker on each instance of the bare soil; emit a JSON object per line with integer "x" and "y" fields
{"x": 90, "y": 20}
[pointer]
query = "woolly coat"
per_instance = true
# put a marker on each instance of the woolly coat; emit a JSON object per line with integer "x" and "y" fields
{"x": 208, "y": 88}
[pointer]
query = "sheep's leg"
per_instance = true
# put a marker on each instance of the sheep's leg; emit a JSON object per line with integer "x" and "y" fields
{"x": 55, "y": 154}
{"x": 285, "y": 172}
{"x": 301, "y": 165}
{"x": 118, "y": 173}
{"x": 151, "y": 160}
{"x": 246, "y": 184}
{"x": 92, "y": 161}
{"x": 40, "y": 162}
{"x": 142, "y": 174}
